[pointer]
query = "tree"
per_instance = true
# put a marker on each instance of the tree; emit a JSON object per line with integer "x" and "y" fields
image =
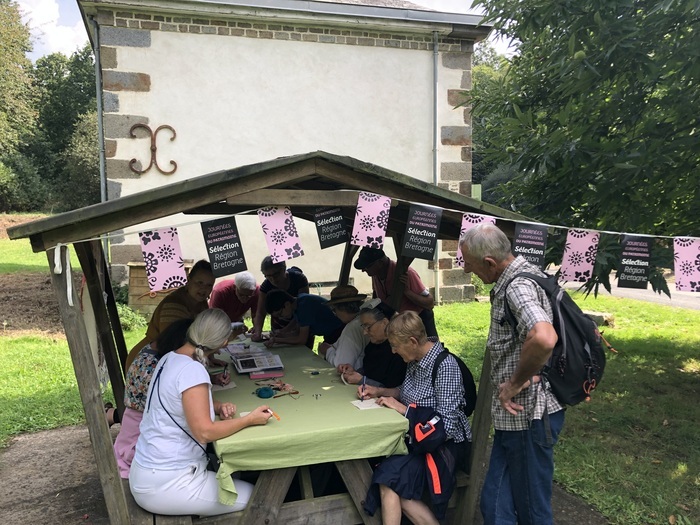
{"x": 600, "y": 112}
{"x": 17, "y": 114}
{"x": 81, "y": 176}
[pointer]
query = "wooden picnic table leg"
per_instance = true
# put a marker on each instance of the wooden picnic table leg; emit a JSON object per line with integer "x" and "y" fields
{"x": 357, "y": 476}
{"x": 267, "y": 497}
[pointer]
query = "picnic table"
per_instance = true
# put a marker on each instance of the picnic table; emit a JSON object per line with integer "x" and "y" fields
{"x": 319, "y": 425}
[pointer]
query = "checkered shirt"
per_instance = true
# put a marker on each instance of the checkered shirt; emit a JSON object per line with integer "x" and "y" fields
{"x": 529, "y": 305}
{"x": 445, "y": 398}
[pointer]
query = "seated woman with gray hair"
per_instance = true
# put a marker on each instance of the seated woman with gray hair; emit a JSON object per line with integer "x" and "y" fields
{"x": 237, "y": 297}
{"x": 169, "y": 472}
{"x": 345, "y": 303}
{"x": 380, "y": 366}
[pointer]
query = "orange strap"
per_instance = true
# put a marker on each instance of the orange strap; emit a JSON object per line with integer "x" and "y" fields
{"x": 433, "y": 471}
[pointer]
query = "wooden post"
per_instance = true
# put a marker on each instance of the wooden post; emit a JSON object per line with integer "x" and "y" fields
{"x": 467, "y": 507}
{"x": 90, "y": 394}
{"x": 117, "y": 331}
{"x": 89, "y": 263}
{"x": 348, "y": 255}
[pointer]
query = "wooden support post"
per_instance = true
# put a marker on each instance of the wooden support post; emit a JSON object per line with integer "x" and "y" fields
{"x": 116, "y": 324}
{"x": 267, "y": 497}
{"x": 90, "y": 263}
{"x": 357, "y": 476}
{"x": 467, "y": 507}
{"x": 348, "y": 255}
{"x": 90, "y": 394}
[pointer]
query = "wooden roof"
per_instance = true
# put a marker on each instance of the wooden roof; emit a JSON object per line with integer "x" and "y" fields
{"x": 302, "y": 182}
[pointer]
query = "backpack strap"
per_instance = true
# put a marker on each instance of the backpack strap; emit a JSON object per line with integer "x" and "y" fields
{"x": 548, "y": 284}
{"x": 436, "y": 364}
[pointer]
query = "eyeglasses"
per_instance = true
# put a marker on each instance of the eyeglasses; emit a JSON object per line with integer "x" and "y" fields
{"x": 368, "y": 327}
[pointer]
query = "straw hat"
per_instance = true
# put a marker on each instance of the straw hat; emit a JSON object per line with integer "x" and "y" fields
{"x": 345, "y": 293}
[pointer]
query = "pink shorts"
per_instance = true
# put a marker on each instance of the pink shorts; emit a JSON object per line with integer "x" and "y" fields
{"x": 125, "y": 444}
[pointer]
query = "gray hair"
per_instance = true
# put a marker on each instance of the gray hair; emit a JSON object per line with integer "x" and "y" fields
{"x": 486, "y": 240}
{"x": 209, "y": 330}
{"x": 245, "y": 281}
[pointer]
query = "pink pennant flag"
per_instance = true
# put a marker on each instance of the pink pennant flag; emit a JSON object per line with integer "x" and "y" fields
{"x": 371, "y": 220}
{"x": 165, "y": 268}
{"x": 280, "y": 233}
{"x": 579, "y": 255}
{"x": 469, "y": 220}
{"x": 686, "y": 256}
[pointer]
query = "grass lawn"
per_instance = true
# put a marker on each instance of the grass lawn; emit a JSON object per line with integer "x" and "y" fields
{"x": 17, "y": 256}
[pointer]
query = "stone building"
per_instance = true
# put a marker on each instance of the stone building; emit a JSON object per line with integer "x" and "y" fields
{"x": 222, "y": 83}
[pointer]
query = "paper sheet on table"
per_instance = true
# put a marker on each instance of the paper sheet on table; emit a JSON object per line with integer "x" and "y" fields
{"x": 366, "y": 404}
{"x": 216, "y": 388}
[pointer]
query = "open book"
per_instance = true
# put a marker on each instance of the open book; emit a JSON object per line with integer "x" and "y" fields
{"x": 245, "y": 363}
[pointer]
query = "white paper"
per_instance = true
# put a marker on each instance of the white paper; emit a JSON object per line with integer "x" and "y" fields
{"x": 217, "y": 388}
{"x": 366, "y": 404}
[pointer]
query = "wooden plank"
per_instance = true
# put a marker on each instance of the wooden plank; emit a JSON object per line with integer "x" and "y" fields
{"x": 357, "y": 476}
{"x": 172, "y": 520}
{"x": 277, "y": 197}
{"x": 90, "y": 393}
{"x": 345, "y": 267}
{"x": 307, "y": 489}
{"x": 138, "y": 515}
{"x": 267, "y": 497}
{"x": 467, "y": 508}
{"x": 89, "y": 265}
{"x": 114, "y": 321}
{"x": 337, "y": 508}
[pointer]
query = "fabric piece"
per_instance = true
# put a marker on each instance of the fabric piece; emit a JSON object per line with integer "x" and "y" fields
{"x": 138, "y": 377}
{"x": 312, "y": 311}
{"x": 162, "y": 444}
{"x": 382, "y": 366}
{"x": 530, "y": 305}
{"x": 280, "y": 233}
{"x": 350, "y": 346}
{"x": 579, "y": 255}
{"x": 382, "y": 287}
{"x": 686, "y": 252}
{"x": 224, "y": 297}
{"x": 469, "y": 220}
{"x": 320, "y": 415}
{"x": 165, "y": 268}
{"x": 125, "y": 444}
{"x": 371, "y": 220}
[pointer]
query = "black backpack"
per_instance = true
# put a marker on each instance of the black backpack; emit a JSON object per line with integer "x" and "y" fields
{"x": 467, "y": 380}
{"x": 576, "y": 365}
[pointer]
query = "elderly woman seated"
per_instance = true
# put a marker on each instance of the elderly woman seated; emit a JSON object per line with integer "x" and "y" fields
{"x": 169, "y": 472}
{"x": 345, "y": 303}
{"x": 380, "y": 366}
{"x": 438, "y": 428}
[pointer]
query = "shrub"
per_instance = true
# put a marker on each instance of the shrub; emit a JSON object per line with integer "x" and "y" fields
{"x": 121, "y": 293}
{"x": 130, "y": 319}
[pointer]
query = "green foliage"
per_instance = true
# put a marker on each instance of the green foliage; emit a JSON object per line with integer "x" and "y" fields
{"x": 29, "y": 190}
{"x": 121, "y": 292}
{"x": 17, "y": 113}
{"x": 599, "y": 112}
{"x": 17, "y": 256}
{"x": 81, "y": 174}
{"x": 130, "y": 319}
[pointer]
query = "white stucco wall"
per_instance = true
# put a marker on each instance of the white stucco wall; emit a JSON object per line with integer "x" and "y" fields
{"x": 235, "y": 101}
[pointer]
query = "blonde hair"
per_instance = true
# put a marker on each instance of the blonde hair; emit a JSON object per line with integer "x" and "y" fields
{"x": 209, "y": 330}
{"x": 406, "y": 325}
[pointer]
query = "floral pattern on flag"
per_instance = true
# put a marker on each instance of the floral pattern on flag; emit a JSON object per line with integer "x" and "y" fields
{"x": 165, "y": 268}
{"x": 579, "y": 255}
{"x": 686, "y": 258}
{"x": 469, "y": 220}
{"x": 280, "y": 233}
{"x": 371, "y": 220}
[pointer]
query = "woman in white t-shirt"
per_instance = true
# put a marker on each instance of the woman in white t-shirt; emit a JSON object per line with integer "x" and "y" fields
{"x": 169, "y": 473}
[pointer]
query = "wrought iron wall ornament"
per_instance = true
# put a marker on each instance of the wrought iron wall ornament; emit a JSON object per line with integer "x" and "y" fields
{"x": 154, "y": 149}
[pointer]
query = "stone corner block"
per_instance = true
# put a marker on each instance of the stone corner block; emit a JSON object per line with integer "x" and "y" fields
{"x": 456, "y": 135}
{"x": 123, "y": 81}
{"x": 108, "y": 57}
{"x": 455, "y": 171}
{"x": 118, "y": 126}
{"x": 122, "y": 36}
{"x": 457, "y": 60}
{"x": 120, "y": 169}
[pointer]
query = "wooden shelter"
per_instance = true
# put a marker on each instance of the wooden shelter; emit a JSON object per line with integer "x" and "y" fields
{"x": 303, "y": 182}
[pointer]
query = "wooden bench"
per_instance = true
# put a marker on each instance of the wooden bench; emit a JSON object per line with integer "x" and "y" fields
{"x": 325, "y": 510}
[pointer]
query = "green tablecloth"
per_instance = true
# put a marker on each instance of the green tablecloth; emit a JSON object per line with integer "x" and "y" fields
{"x": 320, "y": 426}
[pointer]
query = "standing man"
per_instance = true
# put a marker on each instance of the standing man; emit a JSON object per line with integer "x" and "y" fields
{"x": 527, "y": 418}
{"x": 236, "y": 297}
{"x": 416, "y": 297}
